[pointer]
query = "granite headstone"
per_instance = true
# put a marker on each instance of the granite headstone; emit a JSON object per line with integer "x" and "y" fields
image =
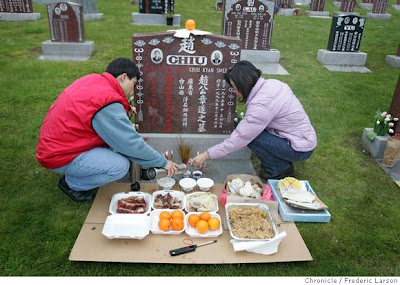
{"x": 346, "y": 33}
{"x": 380, "y": 6}
{"x": 182, "y": 89}
{"x": 285, "y": 4}
{"x": 16, "y": 6}
{"x": 398, "y": 49}
{"x": 156, "y": 6}
{"x": 66, "y": 22}
{"x": 347, "y": 6}
{"x": 317, "y": 5}
{"x": 250, "y": 20}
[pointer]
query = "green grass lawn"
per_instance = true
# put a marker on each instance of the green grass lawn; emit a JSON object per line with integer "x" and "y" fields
{"x": 39, "y": 224}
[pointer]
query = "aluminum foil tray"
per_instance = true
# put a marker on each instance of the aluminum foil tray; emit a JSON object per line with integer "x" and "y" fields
{"x": 261, "y": 206}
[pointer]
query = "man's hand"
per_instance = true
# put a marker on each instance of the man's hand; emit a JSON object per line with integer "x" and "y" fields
{"x": 199, "y": 160}
{"x": 171, "y": 168}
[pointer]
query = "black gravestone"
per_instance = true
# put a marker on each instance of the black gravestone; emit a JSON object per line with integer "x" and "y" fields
{"x": 250, "y": 20}
{"x": 346, "y": 33}
{"x": 156, "y": 6}
{"x": 66, "y": 22}
{"x": 16, "y": 6}
{"x": 182, "y": 89}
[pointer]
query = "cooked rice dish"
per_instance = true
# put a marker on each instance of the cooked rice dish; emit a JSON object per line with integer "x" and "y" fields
{"x": 250, "y": 223}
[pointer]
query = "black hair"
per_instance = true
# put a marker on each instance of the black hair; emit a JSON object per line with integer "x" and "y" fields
{"x": 244, "y": 75}
{"x": 123, "y": 65}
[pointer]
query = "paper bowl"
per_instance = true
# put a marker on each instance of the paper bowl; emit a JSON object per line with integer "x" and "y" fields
{"x": 205, "y": 184}
{"x": 166, "y": 183}
{"x": 187, "y": 184}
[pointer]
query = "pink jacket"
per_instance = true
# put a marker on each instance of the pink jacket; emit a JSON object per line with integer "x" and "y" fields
{"x": 271, "y": 105}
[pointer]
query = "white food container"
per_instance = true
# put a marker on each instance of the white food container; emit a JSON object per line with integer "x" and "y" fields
{"x": 192, "y": 231}
{"x": 118, "y": 196}
{"x": 126, "y": 226}
{"x": 175, "y": 194}
{"x": 154, "y": 219}
{"x": 205, "y": 184}
{"x": 200, "y": 194}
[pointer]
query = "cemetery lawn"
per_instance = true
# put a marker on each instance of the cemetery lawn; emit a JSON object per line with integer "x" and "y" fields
{"x": 39, "y": 224}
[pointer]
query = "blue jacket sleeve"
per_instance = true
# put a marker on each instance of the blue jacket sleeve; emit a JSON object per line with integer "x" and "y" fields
{"x": 112, "y": 124}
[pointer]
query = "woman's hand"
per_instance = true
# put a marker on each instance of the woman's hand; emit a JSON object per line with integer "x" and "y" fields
{"x": 199, "y": 160}
{"x": 132, "y": 111}
{"x": 171, "y": 168}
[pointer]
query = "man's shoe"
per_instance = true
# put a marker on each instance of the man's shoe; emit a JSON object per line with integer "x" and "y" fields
{"x": 77, "y": 196}
{"x": 265, "y": 174}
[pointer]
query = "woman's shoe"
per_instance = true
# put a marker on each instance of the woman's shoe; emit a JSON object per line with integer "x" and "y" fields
{"x": 77, "y": 196}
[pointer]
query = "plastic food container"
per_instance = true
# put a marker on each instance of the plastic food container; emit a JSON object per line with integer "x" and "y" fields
{"x": 192, "y": 231}
{"x": 196, "y": 202}
{"x": 187, "y": 184}
{"x": 154, "y": 219}
{"x": 175, "y": 194}
{"x": 166, "y": 183}
{"x": 205, "y": 184}
{"x": 260, "y": 206}
{"x": 118, "y": 196}
{"x": 126, "y": 226}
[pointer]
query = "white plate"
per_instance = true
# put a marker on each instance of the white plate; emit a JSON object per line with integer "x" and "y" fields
{"x": 173, "y": 193}
{"x": 116, "y": 197}
{"x": 192, "y": 231}
{"x": 154, "y": 219}
{"x": 126, "y": 226}
{"x": 188, "y": 196}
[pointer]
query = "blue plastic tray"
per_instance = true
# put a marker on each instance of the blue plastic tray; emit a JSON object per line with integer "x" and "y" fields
{"x": 292, "y": 214}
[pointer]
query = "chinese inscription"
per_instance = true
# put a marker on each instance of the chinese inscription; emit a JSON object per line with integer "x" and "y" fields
{"x": 66, "y": 22}
{"x": 182, "y": 89}
{"x": 346, "y": 33}
{"x": 16, "y": 6}
{"x": 250, "y": 20}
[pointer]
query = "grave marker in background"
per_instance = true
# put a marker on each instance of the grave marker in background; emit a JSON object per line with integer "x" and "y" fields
{"x": 286, "y": 7}
{"x": 344, "y": 42}
{"x": 90, "y": 12}
{"x": 17, "y": 10}
{"x": 155, "y": 13}
{"x": 396, "y": 6}
{"x": 252, "y": 21}
{"x": 182, "y": 93}
{"x": 366, "y": 4}
{"x": 378, "y": 12}
{"x": 346, "y": 8}
{"x": 394, "y": 60}
{"x": 67, "y": 33}
{"x": 317, "y": 8}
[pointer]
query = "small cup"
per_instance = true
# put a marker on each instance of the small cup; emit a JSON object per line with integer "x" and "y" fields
{"x": 197, "y": 174}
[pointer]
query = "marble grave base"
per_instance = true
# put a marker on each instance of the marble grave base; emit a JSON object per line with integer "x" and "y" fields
{"x": 376, "y": 16}
{"x": 318, "y": 14}
{"x": 154, "y": 19}
{"x": 343, "y": 61}
{"x": 265, "y": 60}
{"x": 393, "y": 60}
{"x": 61, "y": 51}
{"x": 19, "y": 17}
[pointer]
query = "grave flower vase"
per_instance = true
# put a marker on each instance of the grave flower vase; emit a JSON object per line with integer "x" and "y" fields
{"x": 375, "y": 147}
{"x": 170, "y": 21}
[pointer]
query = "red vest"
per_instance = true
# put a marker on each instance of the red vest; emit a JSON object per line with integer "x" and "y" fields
{"x": 67, "y": 128}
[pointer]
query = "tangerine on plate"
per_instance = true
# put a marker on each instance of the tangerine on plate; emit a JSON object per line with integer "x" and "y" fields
{"x": 205, "y": 216}
{"x": 202, "y": 226}
{"x": 190, "y": 24}
{"x": 177, "y": 224}
{"x": 177, "y": 214}
{"x": 214, "y": 223}
{"x": 164, "y": 224}
{"x": 193, "y": 219}
{"x": 165, "y": 215}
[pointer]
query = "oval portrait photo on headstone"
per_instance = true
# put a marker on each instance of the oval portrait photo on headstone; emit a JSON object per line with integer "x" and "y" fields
{"x": 156, "y": 55}
{"x": 216, "y": 57}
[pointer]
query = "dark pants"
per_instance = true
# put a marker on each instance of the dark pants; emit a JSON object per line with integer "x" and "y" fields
{"x": 275, "y": 153}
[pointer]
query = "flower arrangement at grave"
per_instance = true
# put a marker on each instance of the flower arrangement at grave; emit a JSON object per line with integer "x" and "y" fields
{"x": 383, "y": 124}
{"x": 297, "y": 11}
{"x": 238, "y": 117}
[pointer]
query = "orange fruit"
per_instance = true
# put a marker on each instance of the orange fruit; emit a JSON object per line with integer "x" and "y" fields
{"x": 205, "y": 216}
{"x": 193, "y": 219}
{"x": 190, "y": 24}
{"x": 177, "y": 224}
{"x": 202, "y": 226}
{"x": 177, "y": 214}
{"x": 165, "y": 215}
{"x": 164, "y": 224}
{"x": 214, "y": 223}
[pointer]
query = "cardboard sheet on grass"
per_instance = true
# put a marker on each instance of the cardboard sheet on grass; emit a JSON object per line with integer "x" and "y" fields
{"x": 91, "y": 245}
